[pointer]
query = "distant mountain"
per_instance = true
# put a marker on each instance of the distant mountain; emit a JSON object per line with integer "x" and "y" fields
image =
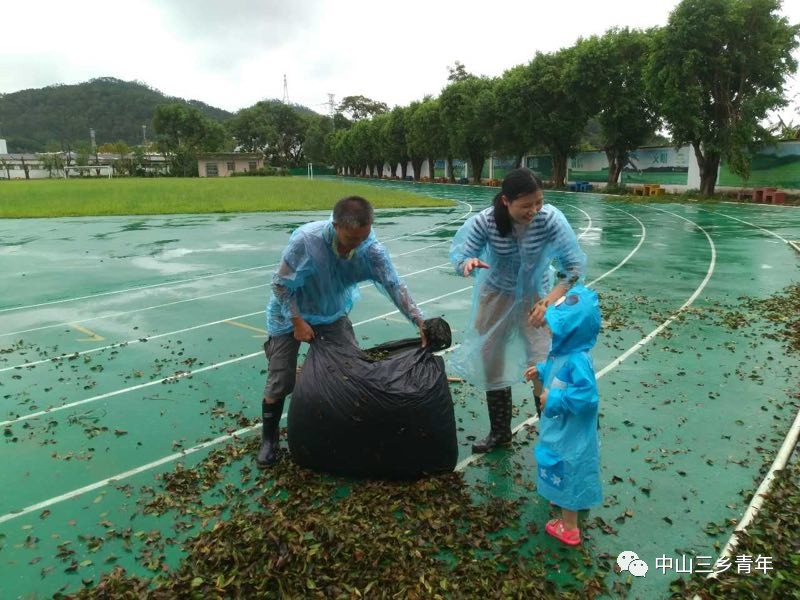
{"x": 40, "y": 119}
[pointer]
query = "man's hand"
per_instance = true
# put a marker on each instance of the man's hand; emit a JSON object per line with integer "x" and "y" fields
{"x": 531, "y": 373}
{"x": 473, "y": 263}
{"x": 422, "y": 335}
{"x": 302, "y": 330}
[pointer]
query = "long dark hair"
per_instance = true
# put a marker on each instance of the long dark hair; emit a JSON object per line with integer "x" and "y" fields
{"x": 517, "y": 183}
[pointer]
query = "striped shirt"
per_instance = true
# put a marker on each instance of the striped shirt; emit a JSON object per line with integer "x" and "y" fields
{"x": 524, "y": 259}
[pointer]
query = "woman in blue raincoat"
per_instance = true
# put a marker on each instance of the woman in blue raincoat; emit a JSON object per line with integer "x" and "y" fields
{"x": 568, "y": 450}
{"x": 510, "y": 248}
{"x": 316, "y": 284}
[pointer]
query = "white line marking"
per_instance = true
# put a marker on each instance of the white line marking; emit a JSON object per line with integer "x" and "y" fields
{"x": 780, "y": 237}
{"x": 136, "y": 310}
{"x": 73, "y": 355}
{"x": 146, "y": 308}
{"x": 190, "y": 279}
{"x": 134, "y": 289}
{"x": 183, "y": 374}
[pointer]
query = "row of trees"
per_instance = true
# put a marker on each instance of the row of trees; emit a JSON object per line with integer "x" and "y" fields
{"x": 709, "y": 77}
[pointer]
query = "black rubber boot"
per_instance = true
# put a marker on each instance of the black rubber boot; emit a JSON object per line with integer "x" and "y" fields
{"x": 537, "y": 400}
{"x": 270, "y": 433}
{"x": 499, "y": 402}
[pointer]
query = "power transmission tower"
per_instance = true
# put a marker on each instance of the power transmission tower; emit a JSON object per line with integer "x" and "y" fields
{"x": 331, "y": 105}
{"x": 331, "y": 111}
{"x": 285, "y": 91}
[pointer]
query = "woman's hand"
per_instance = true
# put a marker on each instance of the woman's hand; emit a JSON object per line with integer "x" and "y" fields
{"x": 531, "y": 373}
{"x": 536, "y": 316}
{"x": 473, "y": 263}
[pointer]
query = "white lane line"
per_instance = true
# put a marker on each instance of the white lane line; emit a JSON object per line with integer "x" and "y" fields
{"x": 757, "y": 501}
{"x": 156, "y": 306}
{"x": 632, "y": 252}
{"x": 588, "y": 216}
{"x": 183, "y": 374}
{"x": 119, "y": 476}
{"x": 180, "y": 281}
{"x": 72, "y": 355}
{"x": 142, "y": 468}
{"x": 684, "y": 306}
{"x": 772, "y": 233}
{"x": 135, "y": 289}
{"x": 781, "y": 459}
{"x": 641, "y": 343}
{"x": 136, "y": 310}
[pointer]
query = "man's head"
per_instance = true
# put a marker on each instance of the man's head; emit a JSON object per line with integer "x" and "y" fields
{"x": 352, "y": 220}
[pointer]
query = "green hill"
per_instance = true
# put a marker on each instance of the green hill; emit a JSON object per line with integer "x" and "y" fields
{"x": 45, "y": 119}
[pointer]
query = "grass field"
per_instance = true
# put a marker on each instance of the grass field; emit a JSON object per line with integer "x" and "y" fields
{"x": 75, "y": 197}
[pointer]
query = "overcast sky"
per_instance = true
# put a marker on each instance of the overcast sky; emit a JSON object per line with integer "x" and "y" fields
{"x": 232, "y": 53}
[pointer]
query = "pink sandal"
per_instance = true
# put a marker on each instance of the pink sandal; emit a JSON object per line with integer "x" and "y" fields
{"x": 570, "y": 537}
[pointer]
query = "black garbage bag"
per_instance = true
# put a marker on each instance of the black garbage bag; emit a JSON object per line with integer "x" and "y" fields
{"x": 385, "y": 413}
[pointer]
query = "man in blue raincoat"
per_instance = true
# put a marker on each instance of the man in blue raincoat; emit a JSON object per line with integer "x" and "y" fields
{"x": 568, "y": 450}
{"x": 316, "y": 284}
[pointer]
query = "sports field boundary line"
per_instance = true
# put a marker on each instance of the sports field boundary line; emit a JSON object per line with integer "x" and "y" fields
{"x": 76, "y": 354}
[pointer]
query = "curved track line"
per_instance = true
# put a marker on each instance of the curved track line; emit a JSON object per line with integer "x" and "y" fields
{"x": 180, "y": 281}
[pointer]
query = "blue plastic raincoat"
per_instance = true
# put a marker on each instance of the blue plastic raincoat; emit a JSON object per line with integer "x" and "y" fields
{"x": 521, "y": 270}
{"x": 568, "y": 450}
{"x": 314, "y": 282}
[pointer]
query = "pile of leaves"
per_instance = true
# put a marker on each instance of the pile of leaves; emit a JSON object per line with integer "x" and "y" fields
{"x": 782, "y": 309}
{"x": 774, "y": 531}
{"x": 305, "y": 535}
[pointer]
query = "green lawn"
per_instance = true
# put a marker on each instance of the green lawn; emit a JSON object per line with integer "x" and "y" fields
{"x": 76, "y": 197}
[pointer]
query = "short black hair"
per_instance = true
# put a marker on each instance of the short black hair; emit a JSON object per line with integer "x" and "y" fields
{"x": 353, "y": 211}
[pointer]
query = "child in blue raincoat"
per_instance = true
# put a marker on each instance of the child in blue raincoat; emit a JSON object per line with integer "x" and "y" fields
{"x": 568, "y": 450}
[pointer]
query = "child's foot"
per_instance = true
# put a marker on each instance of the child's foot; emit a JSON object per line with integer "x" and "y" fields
{"x": 570, "y": 537}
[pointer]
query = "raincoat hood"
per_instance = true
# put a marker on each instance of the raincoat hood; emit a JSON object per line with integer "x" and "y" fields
{"x": 574, "y": 321}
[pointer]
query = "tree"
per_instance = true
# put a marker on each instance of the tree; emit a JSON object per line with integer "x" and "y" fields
{"x": 276, "y": 129}
{"x": 556, "y": 114}
{"x": 361, "y": 107}
{"x": 426, "y": 136}
{"x": 52, "y": 162}
{"x": 394, "y": 136}
{"x": 183, "y": 133}
{"x": 514, "y": 131}
{"x": 5, "y": 166}
{"x": 317, "y": 131}
{"x": 718, "y": 68}
{"x": 458, "y": 72}
{"x": 122, "y": 164}
{"x": 608, "y": 73}
{"x": 468, "y": 113}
